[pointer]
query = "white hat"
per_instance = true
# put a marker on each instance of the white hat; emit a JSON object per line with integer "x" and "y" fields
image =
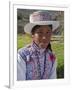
{"x": 40, "y": 18}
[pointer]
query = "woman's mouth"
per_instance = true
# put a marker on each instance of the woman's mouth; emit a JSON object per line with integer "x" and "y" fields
{"x": 43, "y": 44}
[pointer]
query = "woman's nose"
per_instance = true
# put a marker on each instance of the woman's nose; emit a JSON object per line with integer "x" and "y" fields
{"x": 44, "y": 37}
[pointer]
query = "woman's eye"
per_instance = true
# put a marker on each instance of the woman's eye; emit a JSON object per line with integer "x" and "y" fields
{"x": 48, "y": 32}
{"x": 40, "y": 32}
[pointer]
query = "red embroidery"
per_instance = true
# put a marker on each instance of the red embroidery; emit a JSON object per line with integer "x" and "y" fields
{"x": 52, "y": 57}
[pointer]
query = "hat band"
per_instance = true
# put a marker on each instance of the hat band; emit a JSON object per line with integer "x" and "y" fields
{"x": 40, "y": 17}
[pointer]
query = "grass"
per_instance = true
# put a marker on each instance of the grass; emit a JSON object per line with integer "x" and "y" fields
{"x": 58, "y": 48}
{"x": 23, "y": 40}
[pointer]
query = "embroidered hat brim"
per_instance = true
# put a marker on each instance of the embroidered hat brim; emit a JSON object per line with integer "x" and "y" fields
{"x": 28, "y": 27}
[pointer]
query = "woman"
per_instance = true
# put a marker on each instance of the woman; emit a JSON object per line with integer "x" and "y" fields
{"x": 37, "y": 60}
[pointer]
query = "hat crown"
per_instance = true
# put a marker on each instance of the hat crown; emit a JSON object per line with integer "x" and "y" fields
{"x": 40, "y": 16}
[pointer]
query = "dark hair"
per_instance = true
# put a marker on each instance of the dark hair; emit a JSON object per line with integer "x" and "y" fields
{"x": 49, "y": 47}
{"x": 33, "y": 32}
{"x": 36, "y": 27}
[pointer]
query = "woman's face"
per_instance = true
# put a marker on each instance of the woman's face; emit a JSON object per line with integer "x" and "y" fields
{"x": 42, "y": 36}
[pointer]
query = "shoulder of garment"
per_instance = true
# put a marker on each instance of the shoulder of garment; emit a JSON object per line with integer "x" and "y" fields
{"x": 52, "y": 56}
{"x": 25, "y": 52}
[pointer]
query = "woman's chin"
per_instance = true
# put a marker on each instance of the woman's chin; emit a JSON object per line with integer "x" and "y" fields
{"x": 43, "y": 46}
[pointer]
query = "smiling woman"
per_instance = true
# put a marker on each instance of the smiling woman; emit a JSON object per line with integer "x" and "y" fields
{"x": 37, "y": 60}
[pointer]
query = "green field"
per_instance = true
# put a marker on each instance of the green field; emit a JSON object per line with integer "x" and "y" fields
{"x": 58, "y": 48}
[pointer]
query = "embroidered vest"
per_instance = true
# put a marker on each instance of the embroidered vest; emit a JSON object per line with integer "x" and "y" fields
{"x": 33, "y": 69}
